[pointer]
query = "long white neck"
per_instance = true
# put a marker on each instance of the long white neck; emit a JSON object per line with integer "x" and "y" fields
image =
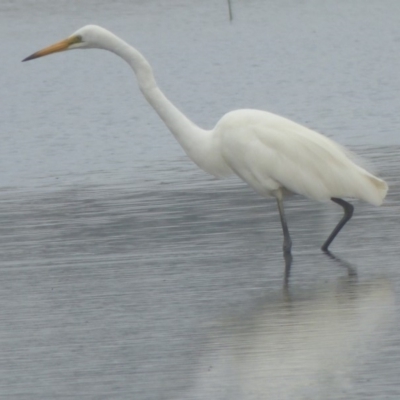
{"x": 197, "y": 143}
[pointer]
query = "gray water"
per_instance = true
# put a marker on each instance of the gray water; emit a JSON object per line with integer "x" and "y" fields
{"x": 127, "y": 273}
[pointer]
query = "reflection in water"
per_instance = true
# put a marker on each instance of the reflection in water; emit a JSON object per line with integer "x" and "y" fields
{"x": 351, "y": 270}
{"x": 303, "y": 346}
{"x": 112, "y": 290}
{"x": 288, "y": 266}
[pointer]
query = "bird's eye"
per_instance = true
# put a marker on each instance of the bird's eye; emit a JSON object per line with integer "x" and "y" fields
{"x": 77, "y": 39}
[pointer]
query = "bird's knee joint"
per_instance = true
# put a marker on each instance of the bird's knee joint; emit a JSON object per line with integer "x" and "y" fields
{"x": 287, "y": 247}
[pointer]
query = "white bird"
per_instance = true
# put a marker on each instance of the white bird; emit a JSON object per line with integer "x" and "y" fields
{"x": 273, "y": 155}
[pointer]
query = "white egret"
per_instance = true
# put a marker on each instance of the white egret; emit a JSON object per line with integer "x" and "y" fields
{"x": 272, "y": 154}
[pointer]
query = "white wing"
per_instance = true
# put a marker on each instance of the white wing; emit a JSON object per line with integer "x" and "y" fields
{"x": 270, "y": 152}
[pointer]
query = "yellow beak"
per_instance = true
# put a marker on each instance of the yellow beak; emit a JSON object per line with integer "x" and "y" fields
{"x": 55, "y": 48}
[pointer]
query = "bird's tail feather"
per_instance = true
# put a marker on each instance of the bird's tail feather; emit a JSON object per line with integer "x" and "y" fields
{"x": 377, "y": 190}
{"x": 381, "y": 187}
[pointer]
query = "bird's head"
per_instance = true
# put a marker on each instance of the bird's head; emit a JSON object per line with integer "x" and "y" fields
{"x": 88, "y": 37}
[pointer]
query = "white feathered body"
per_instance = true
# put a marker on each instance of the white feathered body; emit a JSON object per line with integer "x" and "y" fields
{"x": 272, "y": 153}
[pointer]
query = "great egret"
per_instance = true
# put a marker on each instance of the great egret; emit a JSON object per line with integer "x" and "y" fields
{"x": 272, "y": 154}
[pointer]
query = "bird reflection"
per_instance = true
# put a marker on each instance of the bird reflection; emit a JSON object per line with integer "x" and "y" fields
{"x": 351, "y": 270}
{"x": 288, "y": 265}
{"x": 303, "y": 346}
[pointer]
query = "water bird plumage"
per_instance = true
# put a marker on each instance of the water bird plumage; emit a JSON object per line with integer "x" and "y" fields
{"x": 272, "y": 154}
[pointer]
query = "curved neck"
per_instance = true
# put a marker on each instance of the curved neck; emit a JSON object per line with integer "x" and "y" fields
{"x": 196, "y": 142}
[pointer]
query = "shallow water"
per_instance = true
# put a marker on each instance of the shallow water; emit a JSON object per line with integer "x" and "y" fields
{"x": 127, "y": 273}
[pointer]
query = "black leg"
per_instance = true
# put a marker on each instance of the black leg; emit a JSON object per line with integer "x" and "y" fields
{"x": 287, "y": 241}
{"x": 348, "y": 212}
